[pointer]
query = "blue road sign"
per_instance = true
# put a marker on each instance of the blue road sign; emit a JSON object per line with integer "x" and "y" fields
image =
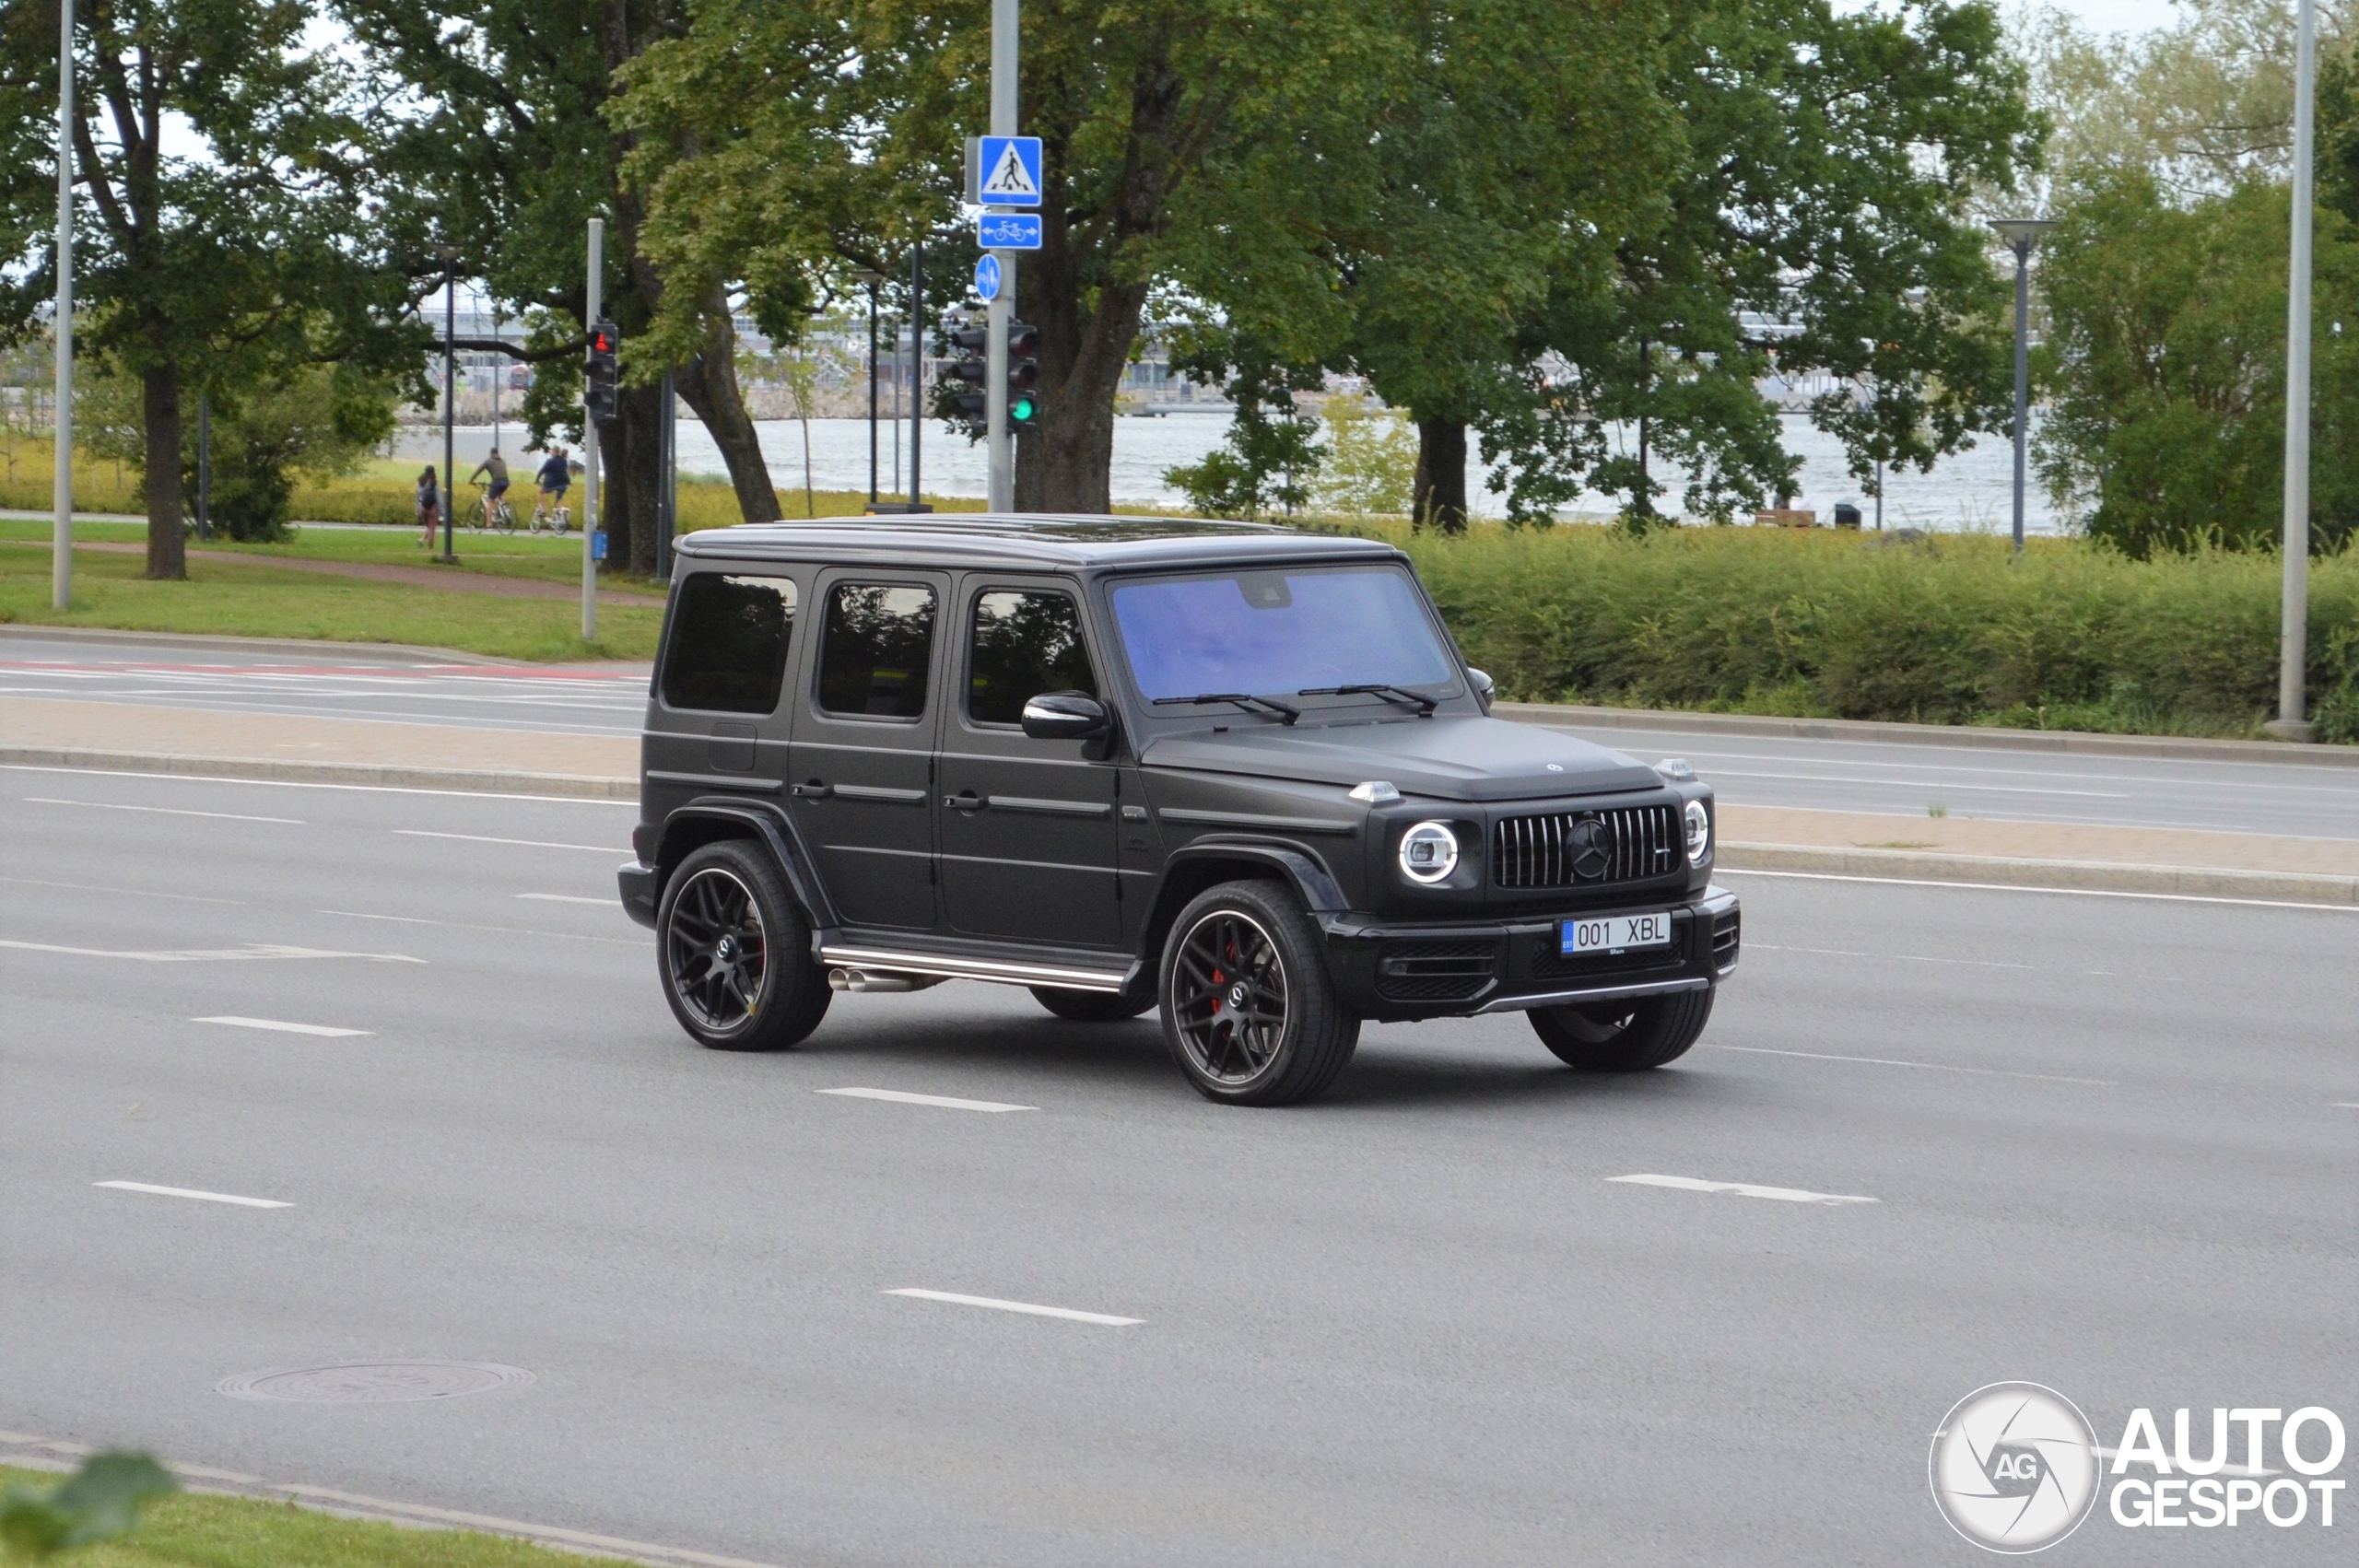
{"x": 1010, "y": 171}
{"x": 1008, "y": 232}
{"x": 987, "y": 278}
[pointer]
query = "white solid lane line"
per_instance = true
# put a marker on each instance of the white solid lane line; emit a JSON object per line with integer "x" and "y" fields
{"x": 160, "y": 811}
{"x": 282, "y": 1027}
{"x": 1928, "y": 784}
{"x": 210, "y": 954}
{"x": 1025, "y": 1306}
{"x": 1923, "y": 1066}
{"x": 526, "y": 843}
{"x": 1742, "y": 1190}
{"x": 2027, "y": 887}
{"x": 946, "y": 1101}
{"x": 191, "y": 1192}
{"x": 568, "y": 898}
{"x": 306, "y": 784}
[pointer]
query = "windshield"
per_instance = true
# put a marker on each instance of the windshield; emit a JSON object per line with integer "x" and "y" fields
{"x": 1279, "y": 632}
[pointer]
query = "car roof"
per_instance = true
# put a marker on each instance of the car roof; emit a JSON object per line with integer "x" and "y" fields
{"x": 1048, "y": 540}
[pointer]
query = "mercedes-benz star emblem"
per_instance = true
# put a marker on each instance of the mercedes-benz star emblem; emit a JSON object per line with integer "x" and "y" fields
{"x": 1592, "y": 848}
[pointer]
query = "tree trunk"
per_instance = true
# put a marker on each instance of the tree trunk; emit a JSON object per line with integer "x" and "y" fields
{"x": 708, "y": 384}
{"x": 638, "y": 488}
{"x": 167, "y": 545}
{"x": 1064, "y": 463}
{"x": 1439, "y": 499}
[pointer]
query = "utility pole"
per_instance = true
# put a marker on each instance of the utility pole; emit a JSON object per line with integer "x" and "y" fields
{"x": 449, "y": 403}
{"x": 2293, "y": 653}
{"x": 61, "y": 571}
{"x": 2020, "y": 234}
{"x": 595, "y": 308}
{"x": 872, "y": 279}
{"x": 1000, "y": 307}
{"x": 667, "y": 501}
{"x": 204, "y": 465}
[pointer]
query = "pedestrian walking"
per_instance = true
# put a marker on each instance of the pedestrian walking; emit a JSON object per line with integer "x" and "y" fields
{"x": 429, "y": 505}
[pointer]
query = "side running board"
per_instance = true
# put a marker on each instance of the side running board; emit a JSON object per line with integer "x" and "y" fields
{"x": 871, "y": 959}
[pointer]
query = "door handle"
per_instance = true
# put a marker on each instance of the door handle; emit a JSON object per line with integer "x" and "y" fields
{"x": 969, "y": 802}
{"x": 811, "y": 791}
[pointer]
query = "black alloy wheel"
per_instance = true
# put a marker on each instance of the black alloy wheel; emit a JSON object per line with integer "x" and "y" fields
{"x": 1623, "y": 1036}
{"x": 1249, "y": 1010}
{"x": 735, "y": 953}
{"x": 1090, "y": 1007}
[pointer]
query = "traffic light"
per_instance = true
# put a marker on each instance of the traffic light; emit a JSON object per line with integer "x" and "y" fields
{"x": 1023, "y": 374}
{"x": 970, "y": 404}
{"x": 600, "y": 371}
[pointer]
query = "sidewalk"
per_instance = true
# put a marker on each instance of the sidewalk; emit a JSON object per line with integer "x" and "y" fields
{"x": 41, "y": 732}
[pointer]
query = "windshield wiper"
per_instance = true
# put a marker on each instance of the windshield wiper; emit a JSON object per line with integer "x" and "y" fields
{"x": 1287, "y": 712}
{"x": 1385, "y": 689}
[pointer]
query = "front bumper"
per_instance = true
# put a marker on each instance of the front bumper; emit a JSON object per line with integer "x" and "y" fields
{"x": 639, "y": 891}
{"x": 1398, "y": 972}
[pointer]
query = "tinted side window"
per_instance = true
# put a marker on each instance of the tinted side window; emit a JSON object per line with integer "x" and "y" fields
{"x": 729, "y": 637}
{"x": 1025, "y": 644}
{"x": 872, "y": 654}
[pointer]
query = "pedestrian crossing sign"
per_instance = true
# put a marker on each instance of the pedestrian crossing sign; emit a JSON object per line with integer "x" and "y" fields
{"x": 1006, "y": 172}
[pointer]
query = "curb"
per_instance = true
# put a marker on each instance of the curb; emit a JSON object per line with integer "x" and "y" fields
{"x": 1568, "y": 716}
{"x": 2082, "y": 876}
{"x": 485, "y": 781}
{"x": 383, "y": 652}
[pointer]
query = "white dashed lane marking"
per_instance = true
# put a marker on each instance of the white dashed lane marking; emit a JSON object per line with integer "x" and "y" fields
{"x": 995, "y": 1305}
{"x": 1742, "y": 1190}
{"x": 280, "y": 1026}
{"x": 191, "y": 1192}
{"x": 944, "y": 1101}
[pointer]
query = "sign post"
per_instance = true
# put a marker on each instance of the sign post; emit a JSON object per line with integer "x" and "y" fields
{"x": 1000, "y": 303}
{"x": 593, "y": 309}
{"x": 61, "y": 571}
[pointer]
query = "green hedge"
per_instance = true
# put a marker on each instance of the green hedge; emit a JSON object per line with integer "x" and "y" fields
{"x": 1947, "y": 631}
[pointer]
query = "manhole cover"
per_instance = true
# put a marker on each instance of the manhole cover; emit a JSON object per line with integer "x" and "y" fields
{"x": 375, "y": 1382}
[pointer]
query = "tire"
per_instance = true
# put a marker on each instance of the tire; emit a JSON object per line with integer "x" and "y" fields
{"x": 1249, "y": 944}
{"x": 1090, "y": 1007}
{"x": 1623, "y": 1036}
{"x": 733, "y": 953}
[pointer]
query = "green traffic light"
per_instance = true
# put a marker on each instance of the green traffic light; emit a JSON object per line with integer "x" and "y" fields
{"x": 1020, "y": 410}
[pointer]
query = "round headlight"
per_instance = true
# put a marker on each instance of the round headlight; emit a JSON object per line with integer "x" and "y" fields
{"x": 1429, "y": 852}
{"x": 1699, "y": 832}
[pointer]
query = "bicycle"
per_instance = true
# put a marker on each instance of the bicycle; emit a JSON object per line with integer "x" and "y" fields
{"x": 491, "y": 512}
{"x": 560, "y": 518}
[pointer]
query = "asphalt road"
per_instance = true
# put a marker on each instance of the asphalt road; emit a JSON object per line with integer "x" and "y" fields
{"x": 2113, "y": 1143}
{"x": 2272, "y": 797}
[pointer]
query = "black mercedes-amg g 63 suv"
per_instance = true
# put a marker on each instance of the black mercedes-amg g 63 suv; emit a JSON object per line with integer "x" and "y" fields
{"x": 1236, "y": 772}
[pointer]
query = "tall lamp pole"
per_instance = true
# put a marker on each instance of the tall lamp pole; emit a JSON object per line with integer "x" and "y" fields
{"x": 450, "y": 398}
{"x": 871, "y": 279}
{"x": 61, "y": 571}
{"x": 2294, "y": 624}
{"x": 2020, "y": 234}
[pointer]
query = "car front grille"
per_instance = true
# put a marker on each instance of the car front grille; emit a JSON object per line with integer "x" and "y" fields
{"x": 1628, "y": 843}
{"x": 1724, "y": 939}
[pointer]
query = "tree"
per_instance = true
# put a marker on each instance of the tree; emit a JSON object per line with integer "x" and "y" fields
{"x": 216, "y": 267}
{"x": 506, "y": 154}
{"x": 1821, "y": 220}
{"x": 1193, "y": 147}
{"x": 2166, "y": 365}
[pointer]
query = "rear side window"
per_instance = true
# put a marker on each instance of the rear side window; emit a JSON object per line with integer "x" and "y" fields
{"x": 729, "y": 637}
{"x": 1025, "y": 644}
{"x": 873, "y": 652}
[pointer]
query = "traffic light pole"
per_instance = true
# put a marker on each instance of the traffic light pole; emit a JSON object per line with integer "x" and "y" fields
{"x": 1001, "y": 310}
{"x": 595, "y": 307}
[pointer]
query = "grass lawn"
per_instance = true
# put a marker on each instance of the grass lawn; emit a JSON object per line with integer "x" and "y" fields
{"x": 240, "y": 598}
{"x": 190, "y": 1531}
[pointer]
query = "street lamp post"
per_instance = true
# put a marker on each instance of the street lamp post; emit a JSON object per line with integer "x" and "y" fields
{"x": 61, "y": 571}
{"x": 872, "y": 279}
{"x": 2020, "y": 234}
{"x": 2292, "y": 653}
{"x": 450, "y": 397}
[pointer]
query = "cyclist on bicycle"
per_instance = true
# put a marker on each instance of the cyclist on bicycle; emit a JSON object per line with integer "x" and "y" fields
{"x": 554, "y": 478}
{"x": 496, "y": 466}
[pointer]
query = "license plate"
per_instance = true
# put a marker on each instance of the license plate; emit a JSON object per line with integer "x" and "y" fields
{"x": 1613, "y": 933}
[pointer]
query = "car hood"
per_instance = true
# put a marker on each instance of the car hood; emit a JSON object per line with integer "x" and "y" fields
{"x": 1453, "y": 758}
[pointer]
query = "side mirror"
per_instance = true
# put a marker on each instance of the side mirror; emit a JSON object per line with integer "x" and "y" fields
{"x": 1064, "y": 716}
{"x": 1484, "y": 686}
